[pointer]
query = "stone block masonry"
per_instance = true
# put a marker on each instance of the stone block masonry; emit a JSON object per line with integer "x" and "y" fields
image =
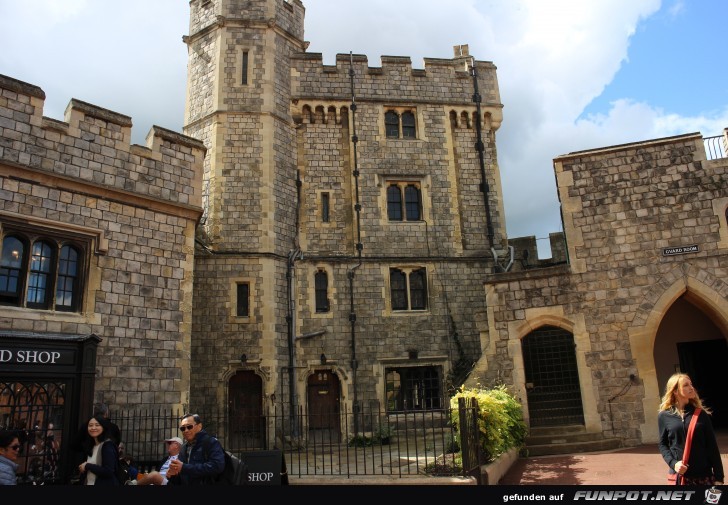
{"x": 135, "y": 207}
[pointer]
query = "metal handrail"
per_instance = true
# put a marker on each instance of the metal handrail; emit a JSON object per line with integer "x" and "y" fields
{"x": 715, "y": 147}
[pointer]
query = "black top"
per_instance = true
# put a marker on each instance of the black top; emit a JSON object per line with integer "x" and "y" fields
{"x": 704, "y": 458}
{"x": 106, "y": 471}
{"x": 77, "y": 444}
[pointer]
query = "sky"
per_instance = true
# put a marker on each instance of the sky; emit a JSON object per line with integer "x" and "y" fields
{"x": 573, "y": 74}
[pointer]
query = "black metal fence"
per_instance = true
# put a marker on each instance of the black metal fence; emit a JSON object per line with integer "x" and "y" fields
{"x": 370, "y": 442}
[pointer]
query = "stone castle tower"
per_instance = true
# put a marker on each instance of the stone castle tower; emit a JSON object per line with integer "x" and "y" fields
{"x": 327, "y": 239}
{"x": 350, "y": 216}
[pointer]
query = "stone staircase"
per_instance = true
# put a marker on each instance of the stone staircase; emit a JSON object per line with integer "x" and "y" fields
{"x": 571, "y": 439}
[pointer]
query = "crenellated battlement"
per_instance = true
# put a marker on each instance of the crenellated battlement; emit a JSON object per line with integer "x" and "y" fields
{"x": 446, "y": 81}
{"x": 93, "y": 145}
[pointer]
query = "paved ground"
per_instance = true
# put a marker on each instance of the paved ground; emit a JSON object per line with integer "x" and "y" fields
{"x": 641, "y": 465}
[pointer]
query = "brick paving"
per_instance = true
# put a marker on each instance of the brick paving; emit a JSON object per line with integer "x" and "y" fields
{"x": 641, "y": 465}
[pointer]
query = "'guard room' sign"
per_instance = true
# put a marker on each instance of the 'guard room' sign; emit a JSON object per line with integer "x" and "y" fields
{"x": 672, "y": 251}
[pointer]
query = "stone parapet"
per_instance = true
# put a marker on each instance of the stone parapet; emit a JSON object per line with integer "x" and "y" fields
{"x": 93, "y": 145}
{"x": 441, "y": 81}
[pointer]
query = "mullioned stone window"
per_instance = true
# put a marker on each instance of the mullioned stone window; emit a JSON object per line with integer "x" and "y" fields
{"x": 41, "y": 271}
{"x": 413, "y": 388}
{"x": 400, "y": 124}
{"x": 408, "y": 288}
{"x": 404, "y": 201}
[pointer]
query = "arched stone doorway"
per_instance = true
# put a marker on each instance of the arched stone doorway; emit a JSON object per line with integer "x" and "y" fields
{"x": 689, "y": 341}
{"x": 650, "y": 345}
{"x": 245, "y": 407}
{"x": 324, "y": 393}
{"x": 552, "y": 377}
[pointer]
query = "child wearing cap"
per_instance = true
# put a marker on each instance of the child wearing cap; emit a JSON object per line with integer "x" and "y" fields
{"x": 159, "y": 478}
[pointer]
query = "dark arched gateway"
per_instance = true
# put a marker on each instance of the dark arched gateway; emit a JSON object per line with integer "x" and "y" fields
{"x": 552, "y": 378}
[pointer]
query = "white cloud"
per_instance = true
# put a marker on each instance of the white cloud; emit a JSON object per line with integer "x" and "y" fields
{"x": 553, "y": 57}
{"x": 676, "y": 8}
{"x": 46, "y": 12}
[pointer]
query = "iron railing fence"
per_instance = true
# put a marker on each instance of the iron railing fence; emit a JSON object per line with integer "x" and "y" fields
{"x": 369, "y": 442}
{"x": 715, "y": 147}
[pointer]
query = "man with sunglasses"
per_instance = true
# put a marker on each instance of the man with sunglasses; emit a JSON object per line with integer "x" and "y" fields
{"x": 202, "y": 457}
{"x": 9, "y": 449}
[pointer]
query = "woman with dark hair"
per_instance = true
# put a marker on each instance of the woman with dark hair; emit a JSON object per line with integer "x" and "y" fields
{"x": 9, "y": 448}
{"x": 677, "y": 409}
{"x": 101, "y": 452}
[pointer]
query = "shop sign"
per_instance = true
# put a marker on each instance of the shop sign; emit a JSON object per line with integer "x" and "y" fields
{"x": 35, "y": 357}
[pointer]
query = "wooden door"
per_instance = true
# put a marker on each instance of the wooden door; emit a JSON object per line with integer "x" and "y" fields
{"x": 245, "y": 408}
{"x": 323, "y": 404}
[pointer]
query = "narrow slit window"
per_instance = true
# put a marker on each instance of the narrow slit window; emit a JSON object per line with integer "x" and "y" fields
{"x": 325, "y": 207}
{"x": 243, "y": 300}
{"x": 321, "y": 281}
{"x": 245, "y": 68}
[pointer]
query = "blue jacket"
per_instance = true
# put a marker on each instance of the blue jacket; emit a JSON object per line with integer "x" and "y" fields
{"x": 106, "y": 471}
{"x": 202, "y": 461}
{"x": 8, "y": 469}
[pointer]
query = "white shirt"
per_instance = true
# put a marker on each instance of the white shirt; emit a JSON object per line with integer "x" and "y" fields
{"x": 93, "y": 459}
{"x": 165, "y": 467}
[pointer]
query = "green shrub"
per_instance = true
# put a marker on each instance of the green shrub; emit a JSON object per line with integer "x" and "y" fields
{"x": 361, "y": 441}
{"x": 381, "y": 435}
{"x": 500, "y": 419}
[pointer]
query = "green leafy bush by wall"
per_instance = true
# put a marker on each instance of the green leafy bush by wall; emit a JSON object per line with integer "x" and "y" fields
{"x": 500, "y": 419}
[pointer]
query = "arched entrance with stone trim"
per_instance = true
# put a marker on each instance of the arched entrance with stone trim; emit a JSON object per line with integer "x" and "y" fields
{"x": 324, "y": 406}
{"x": 545, "y": 317}
{"x": 688, "y": 341}
{"x": 552, "y": 377}
{"x": 247, "y": 424}
{"x": 683, "y": 327}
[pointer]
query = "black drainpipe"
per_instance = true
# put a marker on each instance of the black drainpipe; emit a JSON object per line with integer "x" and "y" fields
{"x": 481, "y": 157}
{"x": 293, "y": 255}
{"x": 359, "y": 247}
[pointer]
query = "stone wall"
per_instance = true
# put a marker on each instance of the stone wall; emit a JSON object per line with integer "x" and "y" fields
{"x": 280, "y": 139}
{"x": 136, "y": 207}
{"x": 623, "y": 206}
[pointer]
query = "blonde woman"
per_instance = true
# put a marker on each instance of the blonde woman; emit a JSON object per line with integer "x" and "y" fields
{"x": 676, "y": 411}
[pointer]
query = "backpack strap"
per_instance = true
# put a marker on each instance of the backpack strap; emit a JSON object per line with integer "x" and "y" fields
{"x": 206, "y": 454}
{"x": 206, "y": 447}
